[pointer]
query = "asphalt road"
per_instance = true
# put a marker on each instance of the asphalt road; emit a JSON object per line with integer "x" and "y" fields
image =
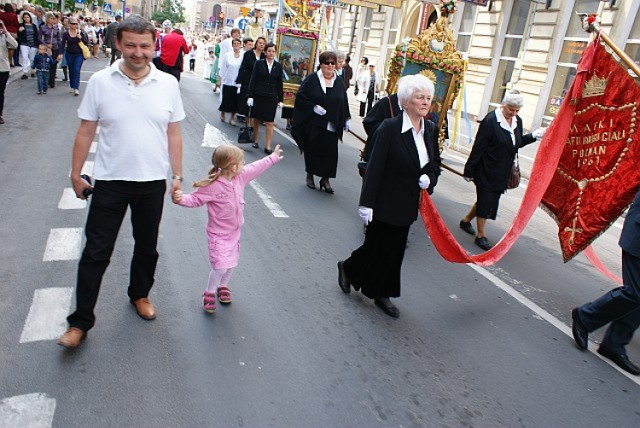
{"x": 473, "y": 347}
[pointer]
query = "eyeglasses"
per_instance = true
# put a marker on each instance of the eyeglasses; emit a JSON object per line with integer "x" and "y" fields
{"x": 73, "y": 23}
{"x": 329, "y": 63}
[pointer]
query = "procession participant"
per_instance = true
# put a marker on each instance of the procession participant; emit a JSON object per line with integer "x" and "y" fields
{"x": 321, "y": 114}
{"x": 264, "y": 94}
{"x": 499, "y": 137}
{"x": 110, "y": 34}
{"x": 70, "y": 45}
{"x": 405, "y": 159}
{"x": 130, "y": 169}
{"x": 229, "y": 66}
{"x": 621, "y": 306}
{"x": 174, "y": 47}
{"x": 244, "y": 74}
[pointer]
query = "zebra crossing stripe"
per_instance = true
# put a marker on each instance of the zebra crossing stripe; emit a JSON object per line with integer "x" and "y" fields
{"x": 47, "y": 315}
{"x": 30, "y": 410}
{"x": 63, "y": 244}
{"x": 69, "y": 201}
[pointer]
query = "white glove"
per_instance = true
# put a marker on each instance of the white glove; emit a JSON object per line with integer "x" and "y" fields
{"x": 539, "y": 133}
{"x": 250, "y": 102}
{"x": 347, "y": 125}
{"x": 468, "y": 179}
{"x": 424, "y": 181}
{"x": 447, "y": 143}
{"x": 366, "y": 214}
{"x": 281, "y": 104}
{"x": 319, "y": 110}
{"x": 239, "y": 89}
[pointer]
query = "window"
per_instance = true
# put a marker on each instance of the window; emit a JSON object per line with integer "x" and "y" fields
{"x": 367, "y": 17}
{"x": 633, "y": 44}
{"x": 510, "y": 49}
{"x": 466, "y": 28}
{"x": 574, "y": 43}
{"x": 394, "y": 31}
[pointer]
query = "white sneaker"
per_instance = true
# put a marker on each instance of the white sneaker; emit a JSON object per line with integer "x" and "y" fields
{"x": 76, "y": 92}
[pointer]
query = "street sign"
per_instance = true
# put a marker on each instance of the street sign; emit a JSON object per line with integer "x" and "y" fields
{"x": 228, "y": 22}
{"x": 127, "y": 10}
{"x": 271, "y": 24}
{"x": 242, "y": 24}
{"x": 106, "y": 7}
{"x": 212, "y": 19}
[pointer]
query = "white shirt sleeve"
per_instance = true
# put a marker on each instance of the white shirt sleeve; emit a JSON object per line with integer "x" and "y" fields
{"x": 89, "y": 108}
{"x": 178, "y": 110}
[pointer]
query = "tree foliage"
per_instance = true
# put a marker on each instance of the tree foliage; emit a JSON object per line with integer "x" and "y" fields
{"x": 171, "y": 10}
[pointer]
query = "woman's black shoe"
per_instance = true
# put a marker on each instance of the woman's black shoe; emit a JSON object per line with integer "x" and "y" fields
{"x": 255, "y": 146}
{"x": 343, "y": 281}
{"x": 268, "y": 151}
{"x": 389, "y": 308}
{"x": 324, "y": 185}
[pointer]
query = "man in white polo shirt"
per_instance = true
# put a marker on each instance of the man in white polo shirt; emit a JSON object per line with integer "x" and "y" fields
{"x": 138, "y": 109}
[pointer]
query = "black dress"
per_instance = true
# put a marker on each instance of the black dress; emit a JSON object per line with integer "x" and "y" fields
{"x": 244, "y": 77}
{"x": 319, "y": 145}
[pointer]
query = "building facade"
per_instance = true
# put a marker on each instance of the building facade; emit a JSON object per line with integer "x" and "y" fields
{"x": 529, "y": 45}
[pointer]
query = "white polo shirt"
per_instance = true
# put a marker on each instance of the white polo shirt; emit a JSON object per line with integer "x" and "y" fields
{"x": 133, "y": 143}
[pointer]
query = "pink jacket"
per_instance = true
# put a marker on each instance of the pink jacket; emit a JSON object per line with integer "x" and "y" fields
{"x": 225, "y": 200}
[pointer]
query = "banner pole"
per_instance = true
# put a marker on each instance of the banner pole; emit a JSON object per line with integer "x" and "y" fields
{"x": 595, "y": 27}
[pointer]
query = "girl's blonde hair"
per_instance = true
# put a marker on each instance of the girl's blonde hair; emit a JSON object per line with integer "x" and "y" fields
{"x": 223, "y": 158}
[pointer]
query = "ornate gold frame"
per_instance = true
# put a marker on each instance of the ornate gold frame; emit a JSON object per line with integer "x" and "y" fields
{"x": 433, "y": 54}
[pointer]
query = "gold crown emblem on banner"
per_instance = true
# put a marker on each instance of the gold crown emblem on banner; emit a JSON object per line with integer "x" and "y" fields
{"x": 594, "y": 87}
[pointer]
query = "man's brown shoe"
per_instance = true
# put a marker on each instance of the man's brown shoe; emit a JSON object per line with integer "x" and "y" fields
{"x": 72, "y": 337}
{"x": 145, "y": 308}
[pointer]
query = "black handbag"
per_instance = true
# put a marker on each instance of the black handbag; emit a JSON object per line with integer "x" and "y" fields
{"x": 245, "y": 135}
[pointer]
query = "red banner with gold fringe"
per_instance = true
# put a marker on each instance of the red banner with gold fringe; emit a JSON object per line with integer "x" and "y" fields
{"x": 598, "y": 174}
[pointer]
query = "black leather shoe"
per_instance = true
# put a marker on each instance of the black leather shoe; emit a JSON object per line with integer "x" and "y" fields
{"x": 621, "y": 361}
{"x": 343, "y": 281}
{"x": 580, "y": 332}
{"x": 483, "y": 243}
{"x": 466, "y": 226}
{"x": 389, "y": 308}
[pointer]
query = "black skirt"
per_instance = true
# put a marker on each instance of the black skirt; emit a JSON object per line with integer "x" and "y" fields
{"x": 487, "y": 203}
{"x": 229, "y": 102}
{"x": 321, "y": 155}
{"x": 374, "y": 268}
{"x": 264, "y": 108}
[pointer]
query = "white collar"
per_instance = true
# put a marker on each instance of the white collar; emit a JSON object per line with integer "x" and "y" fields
{"x": 406, "y": 123}
{"x": 115, "y": 68}
{"x": 322, "y": 83}
{"x": 503, "y": 121}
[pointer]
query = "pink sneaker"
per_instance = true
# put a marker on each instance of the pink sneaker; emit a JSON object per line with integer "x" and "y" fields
{"x": 209, "y": 302}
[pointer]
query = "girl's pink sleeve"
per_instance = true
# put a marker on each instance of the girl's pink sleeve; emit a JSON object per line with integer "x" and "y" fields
{"x": 254, "y": 169}
{"x": 201, "y": 196}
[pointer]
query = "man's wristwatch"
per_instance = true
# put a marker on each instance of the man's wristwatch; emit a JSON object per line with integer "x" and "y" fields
{"x": 177, "y": 177}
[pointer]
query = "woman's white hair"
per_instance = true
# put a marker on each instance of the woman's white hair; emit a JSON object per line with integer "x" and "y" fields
{"x": 408, "y": 85}
{"x": 513, "y": 99}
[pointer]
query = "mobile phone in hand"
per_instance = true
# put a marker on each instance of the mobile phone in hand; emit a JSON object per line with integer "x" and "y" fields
{"x": 86, "y": 192}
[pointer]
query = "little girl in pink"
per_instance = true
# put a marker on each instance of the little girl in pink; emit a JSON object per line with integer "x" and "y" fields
{"x": 223, "y": 192}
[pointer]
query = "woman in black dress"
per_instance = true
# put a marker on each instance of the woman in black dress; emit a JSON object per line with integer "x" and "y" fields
{"x": 244, "y": 74}
{"x": 320, "y": 116}
{"x": 264, "y": 94}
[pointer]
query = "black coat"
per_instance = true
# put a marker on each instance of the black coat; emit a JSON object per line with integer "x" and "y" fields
{"x": 306, "y": 125}
{"x": 493, "y": 153}
{"x": 266, "y": 84}
{"x": 630, "y": 236}
{"x": 390, "y": 185}
{"x": 380, "y": 111}
{"x": 246, "y": 68}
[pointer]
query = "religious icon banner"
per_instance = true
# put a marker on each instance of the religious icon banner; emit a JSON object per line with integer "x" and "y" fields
{"x": 598, "y": 173}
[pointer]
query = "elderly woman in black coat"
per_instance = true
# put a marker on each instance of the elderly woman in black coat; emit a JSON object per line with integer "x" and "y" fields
{"x": 498, "y": 139}
{"x": 320, "y": 116}
{"x": 404, "y": 160}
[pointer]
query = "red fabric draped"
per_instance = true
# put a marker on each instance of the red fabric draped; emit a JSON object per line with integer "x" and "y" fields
{"x": 542, "y": 173}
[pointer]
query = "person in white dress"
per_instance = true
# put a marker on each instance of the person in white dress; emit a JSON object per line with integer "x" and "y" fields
{"x": 229, "y": 67}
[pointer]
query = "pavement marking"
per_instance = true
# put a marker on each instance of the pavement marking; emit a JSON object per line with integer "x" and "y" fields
{"x": 286, "y": 136}
{"x": 47, "y": 318}
{"x": 213, "y": 137}
{"x": 69, "y": 201}
{"x": 543, "y": 314}
{"x": 87, "y": 168}
{"x": 94, "y": 146}
{"x": 63, "y": 244}
{"x": 268, "y": 201}
{"x": 30, "y": 410}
